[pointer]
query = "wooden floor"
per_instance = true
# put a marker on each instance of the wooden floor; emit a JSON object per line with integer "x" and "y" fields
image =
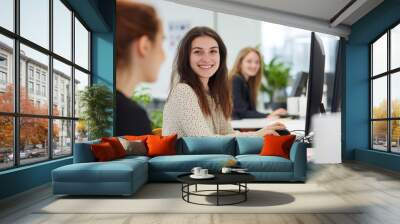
{"x": 378, "y": 188}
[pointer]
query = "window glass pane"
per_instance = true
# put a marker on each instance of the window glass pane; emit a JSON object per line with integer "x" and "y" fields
{"x": 35, "y": 21}
{"x": 379, "y": 135}
{"x": 395, "y": 94}
{"x": 6, "y": 142}
{"x": 81, "y": 131}
{"x": 81, "y": 81}
{"x": 34, "y": 97}
{"x": 395, "y": 47}
{"x": 62, "y": 29}
{"x": 395, "y": 138}
{"x": 33, "y": 139}
{"x": 379, "y": 98}
{"x": 62, "y": 138}
{"x": 6, "y": 74}
{"x": 7, "y": 14}
{"x": 62, "y": 89}
{"x": 379, "y": 55}
{"x": 81, "y": 45}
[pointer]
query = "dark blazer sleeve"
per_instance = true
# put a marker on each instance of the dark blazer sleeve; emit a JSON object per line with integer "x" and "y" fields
{"x": 241, "y": 106}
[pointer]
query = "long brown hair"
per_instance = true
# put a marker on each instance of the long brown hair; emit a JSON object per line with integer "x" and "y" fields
{"x": 218, "y": 84}
{"x": 133, "y": 20}
{"x": 254, "y": 81}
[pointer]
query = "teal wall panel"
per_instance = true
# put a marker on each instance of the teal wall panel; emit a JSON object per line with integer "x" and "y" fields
{"x": 357, "y": 101}
{"x": 24, "y": 178}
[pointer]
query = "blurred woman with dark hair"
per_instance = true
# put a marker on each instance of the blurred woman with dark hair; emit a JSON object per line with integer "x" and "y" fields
{"x": 139, "y": 37}
{"x": 200, "y": 103}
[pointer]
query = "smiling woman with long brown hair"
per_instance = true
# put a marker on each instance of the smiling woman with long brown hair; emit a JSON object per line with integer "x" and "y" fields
{"x": 200, "y": 103}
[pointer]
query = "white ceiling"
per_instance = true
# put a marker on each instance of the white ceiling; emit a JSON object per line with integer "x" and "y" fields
{"x": 314, "y": 15}
{"x": 319, "y": 9}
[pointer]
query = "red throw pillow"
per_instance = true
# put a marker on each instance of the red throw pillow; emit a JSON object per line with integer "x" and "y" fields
{"x": 103, "y": 152}
{"x": 161, "y": 145}
{"x": 116, "y": 145}
{"x": 277, "y": 145}
{"x": 135, "y": 138}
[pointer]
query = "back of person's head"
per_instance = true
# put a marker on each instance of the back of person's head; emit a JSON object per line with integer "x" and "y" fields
{"x": 218, "y": 84}
{"x": 133, "y": 20}
{"x": 253, "y": 81}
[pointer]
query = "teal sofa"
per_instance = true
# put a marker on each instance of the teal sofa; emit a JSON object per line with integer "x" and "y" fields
{"x": 125, "y": 176}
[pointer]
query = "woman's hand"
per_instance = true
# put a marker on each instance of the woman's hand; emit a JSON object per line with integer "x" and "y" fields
{"x": 279, "y": 112}
{"x": 265, "y": 131}
{"x": 271, "y": 129}
{"x": 276, "y": 126}
{"x": 276, "y": 114}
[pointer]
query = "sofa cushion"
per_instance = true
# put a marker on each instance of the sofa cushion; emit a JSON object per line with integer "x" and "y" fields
{"x": 249, "y": 145}
{"x": 131, "y": 158}
{"x": 206, "y": 145}
{"x": 185, "y": 163}
{"x": 257, "y": 163}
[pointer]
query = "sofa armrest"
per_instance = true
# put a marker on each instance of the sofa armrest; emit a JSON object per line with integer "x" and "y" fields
{"x": 298, "y": 155}
{"x": 83, "y": 152}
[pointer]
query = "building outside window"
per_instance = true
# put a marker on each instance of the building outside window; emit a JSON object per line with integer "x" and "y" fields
{"x": 37, "y": 75}
{"x": 30, "y": 72}
{"x": 43, "y": 90}
{"x": 43, "y": 77}
{"x": 30, "y": 87}
{"x": 3, "y": 72}
{"x": 3, "y": 61}
{"x": 3, "y": 77}
{"x": 38, "y": 89}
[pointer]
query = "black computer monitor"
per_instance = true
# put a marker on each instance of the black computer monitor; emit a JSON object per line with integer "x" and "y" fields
{"x": 339, "y": 71}
{"x": 315, "y": 80}
{"x": 329, "y": 82}
{"x": 299, "y": 84}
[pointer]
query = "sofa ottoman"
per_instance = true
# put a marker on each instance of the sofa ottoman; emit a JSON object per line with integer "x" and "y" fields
{"x": 118, "y": 177}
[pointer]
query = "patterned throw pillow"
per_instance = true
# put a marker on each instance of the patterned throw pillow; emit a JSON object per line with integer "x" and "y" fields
{"x": 133, "y": 147}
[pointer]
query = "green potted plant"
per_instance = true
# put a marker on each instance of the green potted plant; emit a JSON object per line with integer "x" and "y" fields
{"x": 143, "y": 97}
{"x": 276, "y": 79}
{"x": 96, "y": 102}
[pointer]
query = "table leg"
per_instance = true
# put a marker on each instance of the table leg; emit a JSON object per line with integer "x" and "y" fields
{"x": 217, "y": 194}
{"x": 188, "y": 189}
{"x": 196, "y": 188}
{"x": 245, "y": 193}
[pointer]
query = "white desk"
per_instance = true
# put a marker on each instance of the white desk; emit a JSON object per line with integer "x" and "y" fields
{"x": 291, "y": 124}
{"x": 327, "y": 138}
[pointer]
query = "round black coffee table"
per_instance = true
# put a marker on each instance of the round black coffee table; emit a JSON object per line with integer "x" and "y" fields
{"x": 238, "y": 179}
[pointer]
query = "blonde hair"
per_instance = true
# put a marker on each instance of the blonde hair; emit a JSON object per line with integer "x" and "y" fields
{"x": 254, "y": 81}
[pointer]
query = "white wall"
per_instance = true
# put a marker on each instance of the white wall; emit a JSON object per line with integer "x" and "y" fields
{"x": 237, "y": 33}
{"x": 172, "y": 14}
